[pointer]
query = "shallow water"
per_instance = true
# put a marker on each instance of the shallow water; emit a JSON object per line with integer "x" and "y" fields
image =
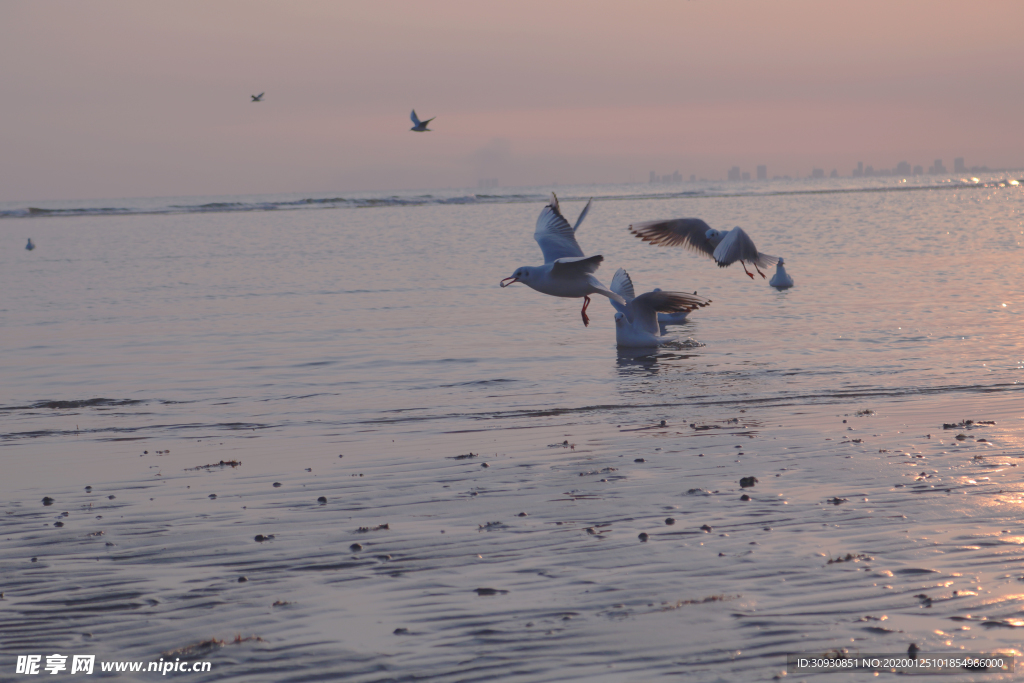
{"x": 142, "y": 343}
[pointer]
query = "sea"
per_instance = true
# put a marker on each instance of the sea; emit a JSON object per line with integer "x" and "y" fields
{"x": 307, "y": 437}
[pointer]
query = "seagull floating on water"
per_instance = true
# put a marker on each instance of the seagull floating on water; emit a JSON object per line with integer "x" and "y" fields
{"x": 566, "y": 271}
{"x": 636, "y": 323}
{"x": 622, "y": 285}
{"x": 420, "y": 126}
{"x": 725, "y": 247}
{"x": 257, "y": 98}
{"x": 30, "y": 246}
{"x": 781, "y": 279}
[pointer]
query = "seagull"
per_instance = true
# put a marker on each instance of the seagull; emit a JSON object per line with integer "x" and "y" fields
{"x": 566, "y": 271}
{"x": 30, "y": 246}
{"x": 637, "y": 325}
{"x": 726, "y": 247}
{"x": 257, "y": 98}
{"x": 622, "y": 285}
{"x": 420, "y": 126}
{"x": 781, "y": 279}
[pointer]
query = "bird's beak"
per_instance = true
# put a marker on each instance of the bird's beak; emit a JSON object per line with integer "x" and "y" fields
{"x": 506, "y": 284}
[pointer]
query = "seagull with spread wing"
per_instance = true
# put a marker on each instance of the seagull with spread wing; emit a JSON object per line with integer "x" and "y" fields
{"x": 420, "y": 126}
{"x": 566, "y": 271}
{"x": 622, "y": 284}
{"x": 257, "y": 98}
{"x": 638, "y": 324}
{"x": 725, "y": 247}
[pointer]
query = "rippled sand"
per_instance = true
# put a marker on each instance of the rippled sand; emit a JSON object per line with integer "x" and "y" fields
{"x": 864, "y": 532}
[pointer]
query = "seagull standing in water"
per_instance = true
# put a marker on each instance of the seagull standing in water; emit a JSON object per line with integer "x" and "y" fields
{"x": 725, "y": 247}
{"x": 781, "y": 279}
{"x": 30, "y": 246}
{"x": 622, "y": 285}
{"x": 257, "y": 98}
{"x": 420, "y": 126}
{"x": 566, "y": 271}
{"x": 637, "y": 323}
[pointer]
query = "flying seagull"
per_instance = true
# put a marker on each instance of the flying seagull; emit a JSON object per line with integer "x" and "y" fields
{"x": 622, "y": 285}
{"x": 566, "y": 271}
{"x": 725, "y": 247}
{"x": 420, "y": 126}
{"x": 636, "y": 323}
{"x": 781, "y": 279}
{"x": 257, "y": 98}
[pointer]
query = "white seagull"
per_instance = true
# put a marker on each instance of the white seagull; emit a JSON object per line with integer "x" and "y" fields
{"x": 420, "y": 126}
{"x": 781, "y": 279}
{"x": 566, "y": 271}
{"x": 257, "y": 98}
{"x": 637, "y": 324}
{"x": 725, "y": 247}
{"x": 30, "y": 246}
{"x": 622, "y": 285}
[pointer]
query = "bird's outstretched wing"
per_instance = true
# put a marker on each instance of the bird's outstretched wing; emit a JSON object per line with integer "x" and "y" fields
{"x": 690, "y": 233}
{"x": 622, "y": 285}
{"x": 415, "y": 119}
{"x": 574, "y": 266}
{"x": 583, "y": 213}
{"x": 737, "y": 246}
{"x": 554, "y": 234}
{"x": 643, "y": 311}
{"x": 257, "y": 98}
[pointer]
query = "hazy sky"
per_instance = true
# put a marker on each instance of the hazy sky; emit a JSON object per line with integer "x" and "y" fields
{"x": 115, "y": 99}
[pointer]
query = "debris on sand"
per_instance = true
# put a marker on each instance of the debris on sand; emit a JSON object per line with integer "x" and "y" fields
{"x": 969, "y": 424}
{"x": 850, "y": 557}
{"x": 222, "y": 464}
{"x": 667, "y": 607}
{"x": 865, "y": 412}
{"x": 467, "y": 456}
{"x": 368, "y": 529}
{"x": 491, "y": 525}
{"x": 260, "y": 538}
{"x": 207, "y": 646}
{"x": 837, "y": 501}
{"x": 490, "y": 591}
{"x": 747, "y": 482}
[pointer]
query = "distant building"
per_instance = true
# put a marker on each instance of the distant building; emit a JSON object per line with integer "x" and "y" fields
{"x": 958, "y": 165}
{"x": 734, "y": 173}
{"x": 693, "y": 178}
{"x": 834, "y": 174}
{"x": 654, "y": 177}
{"x": 868, "y": 171}
{"x": 903, "y": 168}
{"x": 762, "y": 172}
{"x": 817, "y": 173}
{"x": 918, "y": 170}
{"x": 859, "y": 171}
{"x": 937, "y": 168}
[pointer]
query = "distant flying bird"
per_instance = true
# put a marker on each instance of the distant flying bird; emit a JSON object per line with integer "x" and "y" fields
{"x": 725, "y": 247}
{"x": 636, "y": 323}
{"x": 30, "y": 246}
{"x": 566, "y": 271}
{"x": 781, "y": 279}
{"x": 257, "y": 98}
{"x": 420, "y": 126}
{"x": 622, "y": 285}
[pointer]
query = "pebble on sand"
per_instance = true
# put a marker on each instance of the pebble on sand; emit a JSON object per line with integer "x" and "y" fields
{"x": 745, "y": 497}
{"x": 242, "y": 579}
{"x": 322, "y": 500}
{"x": 277, "y": 484}
{"x": 706, "y": 529}
{"x": 669, "y": 521}
{"x": 47, "y": 500}
{"x": 355, "y": 547}
{"x": 643, "y": 537}
{"x": 747, "y": 482}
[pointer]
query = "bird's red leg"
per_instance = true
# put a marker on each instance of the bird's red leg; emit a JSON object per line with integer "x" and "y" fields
{"x": 586, "y": 302}
{"x": 747, "y": 271}
{"x": 759, "y": 272}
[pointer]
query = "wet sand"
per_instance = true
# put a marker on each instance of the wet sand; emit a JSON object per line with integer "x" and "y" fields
{"x": 870, "y": 527}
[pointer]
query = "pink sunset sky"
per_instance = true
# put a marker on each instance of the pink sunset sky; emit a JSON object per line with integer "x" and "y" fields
{"x": 116, "y": 99}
